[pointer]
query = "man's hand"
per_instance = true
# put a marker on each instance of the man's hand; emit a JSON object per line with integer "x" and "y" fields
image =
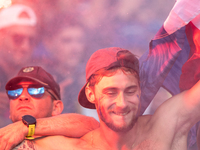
{"x": 12, "y": 135}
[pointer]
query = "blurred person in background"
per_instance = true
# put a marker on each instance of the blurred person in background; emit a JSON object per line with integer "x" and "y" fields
{"x": 18, "y": 34}
{"x": 62, "y": 52}
{"x": 44, "y": 9}
{"x": 94, "y": 16}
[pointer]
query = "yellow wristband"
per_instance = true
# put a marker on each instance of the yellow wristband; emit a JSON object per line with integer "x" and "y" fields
{"x": 31, "y": 131}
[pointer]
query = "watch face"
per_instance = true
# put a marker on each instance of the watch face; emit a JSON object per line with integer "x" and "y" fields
{"x": 28, "y": 119}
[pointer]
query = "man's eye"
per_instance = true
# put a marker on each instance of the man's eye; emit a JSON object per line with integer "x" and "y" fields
{"x": 111, "y": 93}
{"x": 131, "y": 92}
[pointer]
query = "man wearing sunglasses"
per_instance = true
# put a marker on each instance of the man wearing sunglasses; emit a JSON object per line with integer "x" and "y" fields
{"x": 33, "y": 91}
{"x": 18, "y": 34}
{"x": 34, "y": 94}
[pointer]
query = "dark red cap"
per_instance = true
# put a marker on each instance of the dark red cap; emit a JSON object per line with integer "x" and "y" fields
{"x": 107, "y": 58}
{"x": 37, "y": 74}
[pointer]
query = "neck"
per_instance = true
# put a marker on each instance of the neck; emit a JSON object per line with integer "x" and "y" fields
{"x": 114, "y": 140}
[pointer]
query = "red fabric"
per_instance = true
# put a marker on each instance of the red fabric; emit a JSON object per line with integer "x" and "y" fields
{"x": 190, "y": 72}
{"x": 193, "y": 36}
{"x": 191, "y": 69}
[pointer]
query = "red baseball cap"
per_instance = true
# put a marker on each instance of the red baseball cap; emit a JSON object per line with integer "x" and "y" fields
{"x": 107, "y": 58}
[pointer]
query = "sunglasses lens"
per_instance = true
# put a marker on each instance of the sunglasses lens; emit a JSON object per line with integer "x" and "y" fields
{"x": 36, "y": 92}
{"x": 14, "y": 94}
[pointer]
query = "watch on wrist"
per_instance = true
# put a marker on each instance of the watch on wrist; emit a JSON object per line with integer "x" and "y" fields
{"x": 30, "y": 122}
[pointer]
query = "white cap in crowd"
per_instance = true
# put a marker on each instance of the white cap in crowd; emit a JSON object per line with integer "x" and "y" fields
{"x": 17, "y": 14}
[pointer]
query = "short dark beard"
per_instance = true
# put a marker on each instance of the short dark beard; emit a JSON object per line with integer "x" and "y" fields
{"x": 114, "y": 128}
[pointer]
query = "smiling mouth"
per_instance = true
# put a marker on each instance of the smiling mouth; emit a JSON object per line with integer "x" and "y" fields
{"x": 121, "y": 113}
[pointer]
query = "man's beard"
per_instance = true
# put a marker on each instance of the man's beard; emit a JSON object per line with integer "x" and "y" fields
{"x": 114, "y": 127}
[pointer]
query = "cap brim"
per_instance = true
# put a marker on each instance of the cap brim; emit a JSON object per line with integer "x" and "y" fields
{"x": 19, "y": 78}
{"x": 83, "y": 101}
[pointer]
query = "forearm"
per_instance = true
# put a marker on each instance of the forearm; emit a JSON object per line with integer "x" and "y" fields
{"x": 70, "y": 125}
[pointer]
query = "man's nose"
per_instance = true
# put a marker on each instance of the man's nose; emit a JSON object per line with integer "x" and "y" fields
{"x": 24, "y": 96}
{"x": 121, "y": 100}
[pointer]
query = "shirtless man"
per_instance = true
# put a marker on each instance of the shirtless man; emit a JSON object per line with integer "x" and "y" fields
{"x": 113, "y": 88}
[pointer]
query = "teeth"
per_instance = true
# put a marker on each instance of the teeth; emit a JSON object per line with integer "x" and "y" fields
{"x": 121, "y": 114}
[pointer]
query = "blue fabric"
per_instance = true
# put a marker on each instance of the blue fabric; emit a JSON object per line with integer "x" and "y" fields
{"x": 161, "y": 67}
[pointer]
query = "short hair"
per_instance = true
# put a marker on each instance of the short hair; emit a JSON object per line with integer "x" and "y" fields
{"x": 98, "y": 75}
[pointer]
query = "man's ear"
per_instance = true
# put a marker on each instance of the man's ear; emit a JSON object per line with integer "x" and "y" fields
{"x": 57, "y": 107}
{"x": 90, "y": 94}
